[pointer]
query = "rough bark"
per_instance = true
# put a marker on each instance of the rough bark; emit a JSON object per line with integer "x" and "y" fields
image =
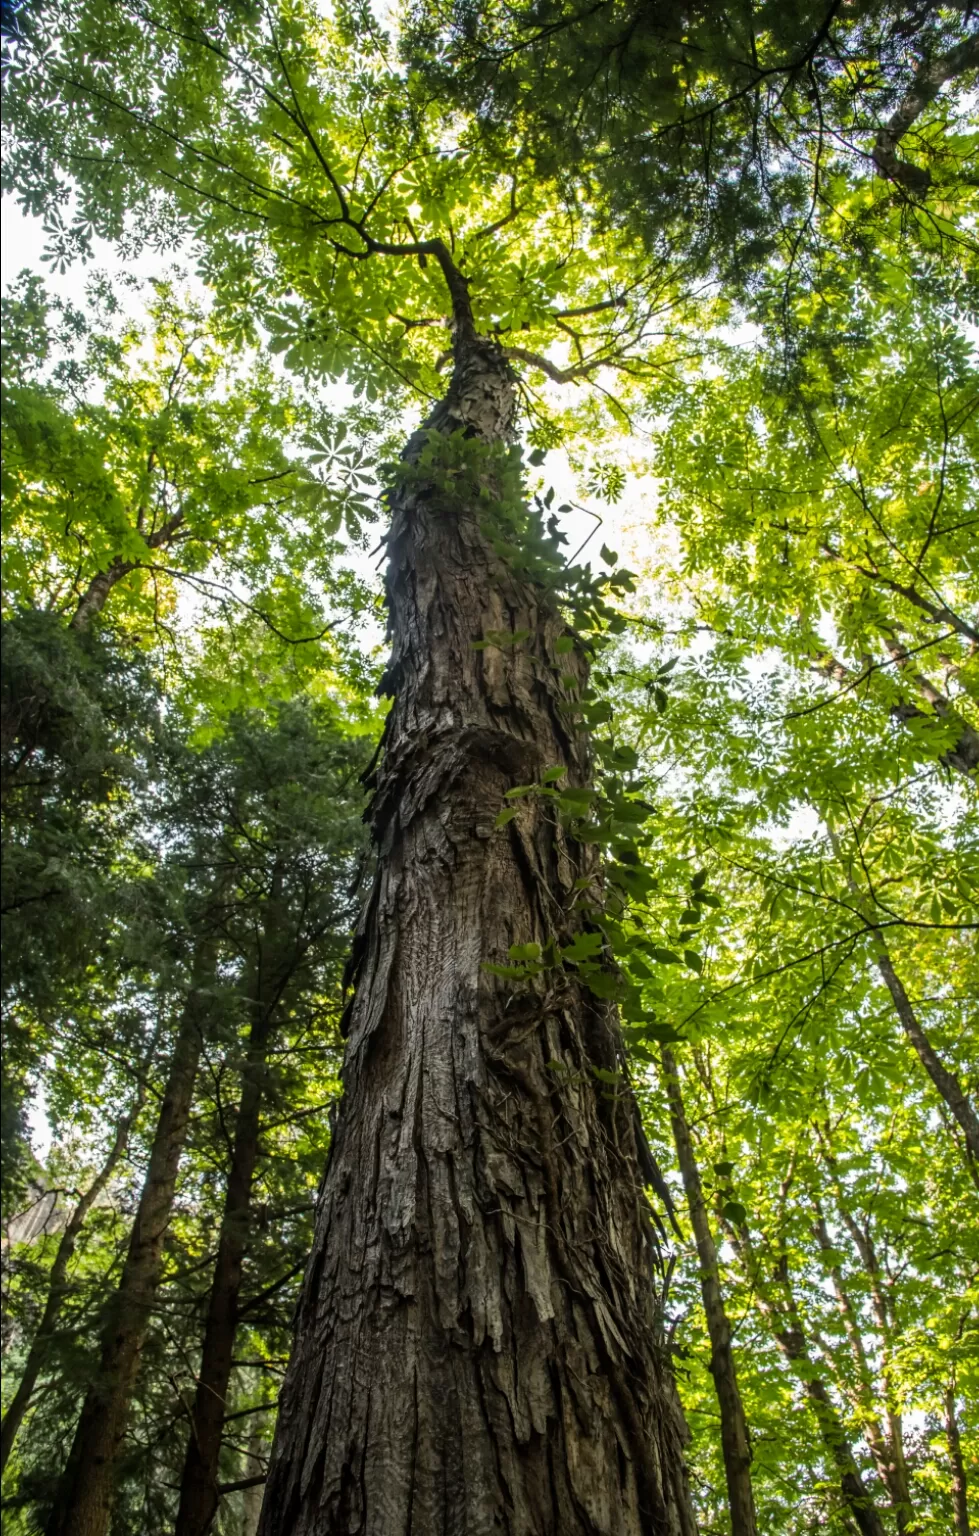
{"x": 477, "y": 1342}
{"x": 960, "y": 1492}
{"x": 735, "y": 1444}
{"x": 84, "y": 1500}
{"x": 200, "y": 1492}
{"x": 58, "y": 1288}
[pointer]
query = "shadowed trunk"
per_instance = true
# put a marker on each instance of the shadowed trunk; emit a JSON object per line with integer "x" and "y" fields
{"x": 960, "y": 1494}
{"x": 84, "y": 1499}
{"x": 735, "y": 1445}
{"x": 58, "y": 1288}
{"x": 478, "y": 1346}
{"x": 199, "y": 1490}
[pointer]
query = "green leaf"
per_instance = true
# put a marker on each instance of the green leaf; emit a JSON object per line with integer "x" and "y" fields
{"x": 530, "y": 951}
{"x": 584, "y": 946}
{"x": 734, "y": 1212}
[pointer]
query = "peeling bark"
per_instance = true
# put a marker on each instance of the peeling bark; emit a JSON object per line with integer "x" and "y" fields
{"x": 478, "y": 1346}
{"x": 735, "y": 1444}
{"x": 84, "y": 1500}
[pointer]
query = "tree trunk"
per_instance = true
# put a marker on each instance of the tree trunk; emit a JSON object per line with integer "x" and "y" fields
{"x": 735, "y": 1445}
{"x": 960, "y": 1494}
{"x": 58, "y": 1287}
{"x": 95, "y": 596}
{"x": 785, "y": 1322}
{"x": 945, "y": 1081}
{"x": 478, "y": 1346}
{"x": 199, "y": 1489}
{"x": 84, "y": 1499}
{"x": 886, "y": 1449}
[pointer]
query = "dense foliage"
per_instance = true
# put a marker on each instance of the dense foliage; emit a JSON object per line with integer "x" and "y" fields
{"x": 730, "y": 255}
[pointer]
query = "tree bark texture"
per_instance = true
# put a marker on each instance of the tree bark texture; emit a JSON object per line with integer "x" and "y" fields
{"x": 199, "y": 1489}
{"x": 960, "y": 1493}
{"x": 478, "y": 1346}
{"x": 58, "y": 1288}
{"x": 84, "y": 1499}
{"x": 735, "y": 1444}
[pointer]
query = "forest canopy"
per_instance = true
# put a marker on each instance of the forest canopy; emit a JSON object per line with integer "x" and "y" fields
{"x": 490, "y": 735}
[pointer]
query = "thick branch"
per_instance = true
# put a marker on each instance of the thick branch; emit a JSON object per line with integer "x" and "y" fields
{"x": 928, "y": 82}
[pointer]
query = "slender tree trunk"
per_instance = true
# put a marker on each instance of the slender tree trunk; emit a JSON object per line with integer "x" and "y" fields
{"x": 960, "y": 1492}
{"x": 199, "y": 1489}
{"x": 735, "y": 1444}
{"x": 58, "y": 1287}
{"x": 887, "y": 1448}
{"x": 945, "y": 1081}
{"x": 96, "y": 594}
{"x": 84, "y": 1499}
{"x": 478, "y": 1346}
{"x": 783, "y": 1317}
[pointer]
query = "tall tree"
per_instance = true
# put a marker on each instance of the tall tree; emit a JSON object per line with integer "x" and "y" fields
{"x": 502, "y": 1364}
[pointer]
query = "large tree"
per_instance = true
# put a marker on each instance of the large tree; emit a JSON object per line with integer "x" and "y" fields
{"x": 480, "y": 1342}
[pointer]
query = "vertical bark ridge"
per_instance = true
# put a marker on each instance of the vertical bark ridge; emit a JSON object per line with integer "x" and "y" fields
{"x": 477, "y": 1340}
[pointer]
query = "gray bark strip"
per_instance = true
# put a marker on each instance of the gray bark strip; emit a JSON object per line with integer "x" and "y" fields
{"x": 944, "y": 1080}
{"x": 58, "y": 1285}
{"x": 962, "y": 756}
{"x": 478, "y": 1346}
{"x": 735, "y": 1444}
{"x": 84, "y": 1501}
{"x": 96, "y": 594}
